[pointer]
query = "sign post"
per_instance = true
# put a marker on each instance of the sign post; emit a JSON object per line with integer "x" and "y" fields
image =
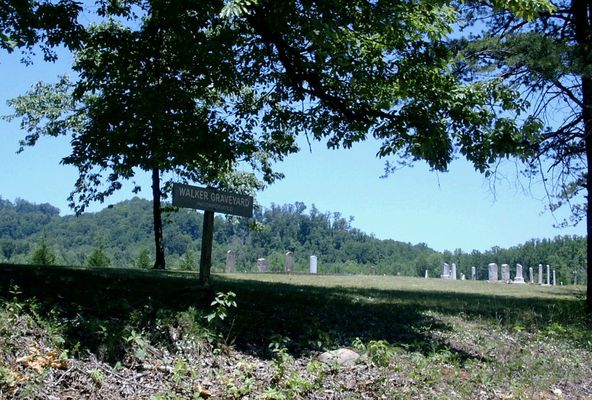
{"x": 207, "y": 240}
{"x": 211, "y": 201}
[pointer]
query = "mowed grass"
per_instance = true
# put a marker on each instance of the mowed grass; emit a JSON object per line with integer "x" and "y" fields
{"x": 397, "y": 309}
{"x": 427, "y": 338}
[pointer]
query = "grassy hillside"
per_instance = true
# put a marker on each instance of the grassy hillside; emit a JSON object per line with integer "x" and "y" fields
{"x": 148, "y": 332}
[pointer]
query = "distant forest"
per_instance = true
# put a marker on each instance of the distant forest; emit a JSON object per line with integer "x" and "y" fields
{"x": 121, "y": 236}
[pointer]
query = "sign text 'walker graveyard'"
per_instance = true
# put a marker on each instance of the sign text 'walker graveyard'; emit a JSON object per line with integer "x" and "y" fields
{"x": 212, "y": 200}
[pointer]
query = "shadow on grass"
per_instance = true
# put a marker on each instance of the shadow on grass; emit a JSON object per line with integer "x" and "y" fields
{"x": 102, "y": 305}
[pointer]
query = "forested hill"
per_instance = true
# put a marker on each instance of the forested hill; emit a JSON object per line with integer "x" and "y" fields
{"x": 122, "y": 236}
{"x": 124, "y": 232}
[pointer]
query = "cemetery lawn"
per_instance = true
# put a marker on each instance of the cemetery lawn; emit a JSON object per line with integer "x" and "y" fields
{"x": 122, "y": 333}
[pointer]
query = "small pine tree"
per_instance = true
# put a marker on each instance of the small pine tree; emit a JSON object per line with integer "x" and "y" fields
{"x": 143, "y": 261}
{"x": 43, "y": 254}
{"x": 188, "y": 262}
{"x": 98, "y": 258}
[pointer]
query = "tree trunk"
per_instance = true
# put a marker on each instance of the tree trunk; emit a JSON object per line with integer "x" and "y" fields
{"x": 587, "y": 117}
{"x": 205, "y": 262}
{"x": 159, "y": 262}
{"x": 588, "y": 141}
{"x": 582, "y": 12}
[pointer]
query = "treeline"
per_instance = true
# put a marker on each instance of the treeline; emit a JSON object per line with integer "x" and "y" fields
{"x": 121, "y": 235}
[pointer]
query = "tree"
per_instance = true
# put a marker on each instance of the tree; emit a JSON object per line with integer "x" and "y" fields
{"x": 143, "y": 261}
{"x": 97, "y": 257}
{"x": 24, "y": 24}
{"x": 189, "y": 261}
{"x": 548, "y": 59}
{"x": 7, "y": 248}
{"x": 43, "y": 254}
{"x": 150, "y": 98}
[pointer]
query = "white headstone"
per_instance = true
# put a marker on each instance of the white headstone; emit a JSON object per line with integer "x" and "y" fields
{"x": 554, "y": 278}
{"x": 540, "y": 274}
{"x": 426, "y": 274}
{"x": 531, "y": 274}
{"x": 518, "y": 278}
{"x": 453, "y": 272}
{"x": 462, "y": 277}
{"x": 473, "y": 273}
{"x": 289, "y": 262}
{"x": 493, "y": 275}
{"x": 313, "y": 264}
{"x": 548, "y": 275}
{"x": 446, "y": 271}
{"x": 506, "y": 273}
{"x": 230, "y": 261}
{"x": 262, "y": 265}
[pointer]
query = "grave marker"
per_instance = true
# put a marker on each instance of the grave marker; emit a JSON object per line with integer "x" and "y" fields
{"x": 519, "y": 278}
{"x": 493, "y": 275}
{"x": 313, "y": 264}
{"x": 506, "y": 273}
{"x": 445, "y": 272}
{"x": 289, "y": 262}
{"x": 262, "y": 265}
{"x": 548, "y": 275}
{"x": 230, "y": 261}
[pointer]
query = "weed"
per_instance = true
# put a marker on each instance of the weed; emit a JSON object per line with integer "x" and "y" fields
{"x": 318, "y": 369}
{"x": 379, "y": 352}
{"x": 274, "y": 393}
{"x": 7, "y": 379}
{"x": 180, "y": 371}
{"x": 278, "y": 347}
{"x": 242, "y": 383}
{"x": 96, "y": 375}
{"x": 139, "y": 345}
{"x": 222, "y": 304}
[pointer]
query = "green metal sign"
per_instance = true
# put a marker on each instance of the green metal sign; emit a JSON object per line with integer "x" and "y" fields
{"x": 207, "y": 199}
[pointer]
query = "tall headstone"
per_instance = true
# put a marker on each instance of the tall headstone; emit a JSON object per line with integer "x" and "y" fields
{"x": 518, "y": 278}
{"x": 453, "y": 272}
{"x": 230, "y": 261}
{"x": 505, "y": 273}
{"x": 473, "y": 273}
{"x": 262, "y": 265}
{"x": 493, "y": 272}
{"x": 540, "y": 274}
{"x": 313, "y": 264}
{"x": 426, "y": 274}
{"x": 531, "y": 274}
{"x": 548, "y": 275}
{"x": 554, "y": 278}
{"x": 446, "y": 271}
{"x": 289, "y": 262}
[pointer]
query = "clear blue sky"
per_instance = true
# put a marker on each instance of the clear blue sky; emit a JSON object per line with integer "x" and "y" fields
{"x": 447, "y": 211}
